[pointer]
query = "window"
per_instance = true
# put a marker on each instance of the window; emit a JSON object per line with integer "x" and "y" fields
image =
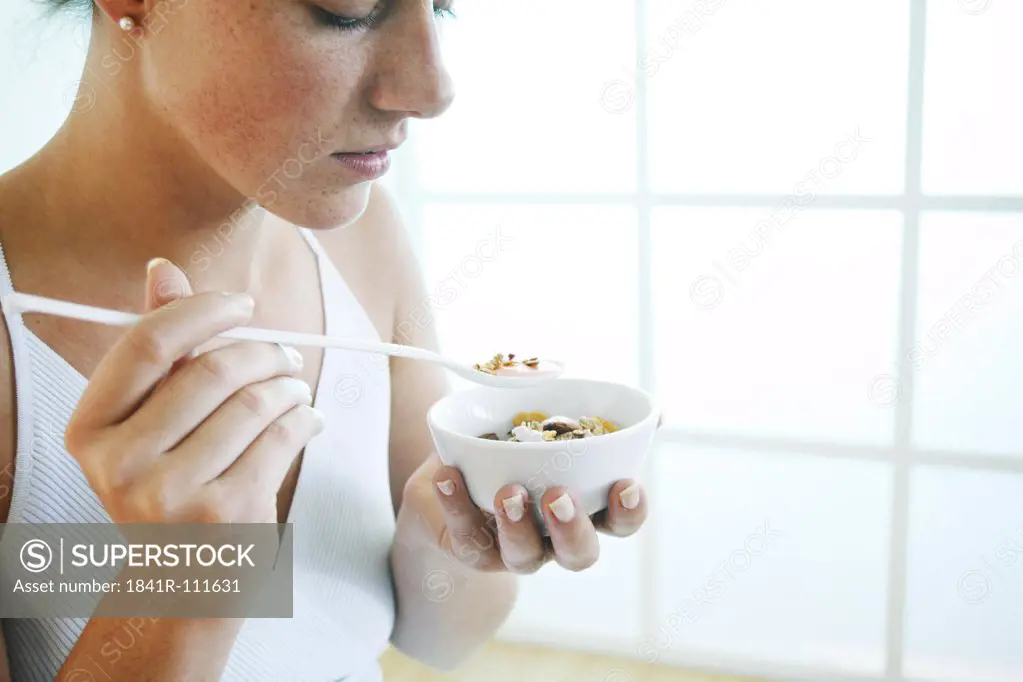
{"x": 801, "y": 226}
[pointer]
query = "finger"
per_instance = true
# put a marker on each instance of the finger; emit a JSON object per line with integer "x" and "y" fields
{"x": 260, "y": 470}
{"x": 469, "y": 535}
{"x": 626, "y": 510}
{"x": 231, "y": 429}
{"x": 166, "y": 285}
{"x": 146, "y": 352}
{"x": 522, "y": 545}
{"x": 573, "y": 536}
{"x": 188, "y": 397}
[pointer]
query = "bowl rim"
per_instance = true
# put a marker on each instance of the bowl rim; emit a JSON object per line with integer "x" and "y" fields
{"x": 652, "y": 417}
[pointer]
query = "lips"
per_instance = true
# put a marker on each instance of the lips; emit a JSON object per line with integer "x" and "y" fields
{"x": 375, "y": 148}
{"x": 367, "y": 165}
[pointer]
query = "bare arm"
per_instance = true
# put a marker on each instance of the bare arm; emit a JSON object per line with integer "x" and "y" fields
{"x": 5, "y": 670}
{"x": 161, "y": 650}
{"x": 440, "y": 632}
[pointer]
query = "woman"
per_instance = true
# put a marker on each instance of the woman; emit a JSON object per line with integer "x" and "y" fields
{"x": 186, "y": 108}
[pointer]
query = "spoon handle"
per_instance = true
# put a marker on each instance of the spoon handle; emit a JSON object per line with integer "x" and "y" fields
{"x": 22, "y": 303}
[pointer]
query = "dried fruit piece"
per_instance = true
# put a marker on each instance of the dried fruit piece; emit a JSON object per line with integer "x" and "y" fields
{"x": 531, "y": 362}
{"x": 521, "y": 417}
{"x": 490, "y": 436}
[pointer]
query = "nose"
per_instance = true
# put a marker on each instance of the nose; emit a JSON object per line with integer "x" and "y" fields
{"x": 410, "y": 78}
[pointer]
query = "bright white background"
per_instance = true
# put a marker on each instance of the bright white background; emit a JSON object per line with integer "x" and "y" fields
{"x": 820, "y": 374}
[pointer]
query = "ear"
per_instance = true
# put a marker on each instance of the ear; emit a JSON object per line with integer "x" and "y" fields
{"x": 117, "y": 10}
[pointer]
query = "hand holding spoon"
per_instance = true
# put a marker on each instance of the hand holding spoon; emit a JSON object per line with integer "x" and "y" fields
{"x": 506, "y": 377}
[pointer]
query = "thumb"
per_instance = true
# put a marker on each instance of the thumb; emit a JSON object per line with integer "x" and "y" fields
{"x": 166, "y": 284}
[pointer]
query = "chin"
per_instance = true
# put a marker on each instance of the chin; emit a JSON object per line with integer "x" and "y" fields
{"x": 321, "y": 211}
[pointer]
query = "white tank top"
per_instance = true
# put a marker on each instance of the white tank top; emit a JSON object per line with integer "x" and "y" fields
{"x": 342, "y": 513}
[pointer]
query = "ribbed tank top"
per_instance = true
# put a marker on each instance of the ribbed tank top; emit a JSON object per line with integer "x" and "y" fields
{"x": 342, "y": 513}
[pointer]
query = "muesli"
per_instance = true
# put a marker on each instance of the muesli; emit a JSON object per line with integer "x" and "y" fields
{"x": 535, "y": 427}
{"x": 499, "y": 363}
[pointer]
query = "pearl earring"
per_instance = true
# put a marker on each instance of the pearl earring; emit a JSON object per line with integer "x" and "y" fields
{"x": 126, "y": 23}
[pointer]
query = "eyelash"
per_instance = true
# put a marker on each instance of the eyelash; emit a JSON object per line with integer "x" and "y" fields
{"x": 346, "y": 24}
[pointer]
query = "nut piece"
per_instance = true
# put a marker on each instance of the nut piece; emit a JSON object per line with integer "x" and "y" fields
{"x": 560, "y": 425}
{"x": 531, "y": 362}
{"x": 490, "y": 436}
{"x": 594, "y": 424}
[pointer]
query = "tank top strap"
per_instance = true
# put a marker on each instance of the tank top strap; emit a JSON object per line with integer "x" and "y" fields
{"x": 6, "y": 284}
{"x": 313, "y": 243}
{"x": 14, "y": 321}
{"x": 339, "y": 301}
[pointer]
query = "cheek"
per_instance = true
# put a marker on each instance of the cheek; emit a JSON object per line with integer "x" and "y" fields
{"x": 248, "y": 90}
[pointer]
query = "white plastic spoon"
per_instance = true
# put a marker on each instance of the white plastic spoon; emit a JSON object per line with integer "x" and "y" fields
{"x": 518, "y": 378}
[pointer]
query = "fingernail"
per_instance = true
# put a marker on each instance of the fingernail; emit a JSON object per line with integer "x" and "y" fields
{"x": 294, "y": 357}
{"x": 630, "y": 497}
{"x": 244, "y": 302}
{"x": 154, "y": 262}
{"x": 514, "y": 507}
{"x": 563, "y": 508}
{"x": 447, "y": 487}
{"x": 302, "y": 389}
{"x": 319, "y": 418}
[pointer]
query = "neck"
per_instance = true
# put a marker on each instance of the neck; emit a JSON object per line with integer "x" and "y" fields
{"x": 116, "y": 186}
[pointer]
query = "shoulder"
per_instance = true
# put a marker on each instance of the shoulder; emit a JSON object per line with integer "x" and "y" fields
{"x": 375, "y": 256}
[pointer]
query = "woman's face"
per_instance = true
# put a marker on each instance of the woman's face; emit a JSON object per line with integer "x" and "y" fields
{"x": 278, "y": 96}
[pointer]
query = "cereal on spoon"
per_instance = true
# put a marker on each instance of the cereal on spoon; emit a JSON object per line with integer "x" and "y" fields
{"x": 501, "y": 366}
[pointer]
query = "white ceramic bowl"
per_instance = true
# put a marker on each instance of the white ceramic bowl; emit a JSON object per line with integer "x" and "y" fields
{"x": 588, "y": 466}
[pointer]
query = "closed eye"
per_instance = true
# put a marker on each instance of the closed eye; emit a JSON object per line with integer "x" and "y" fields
{"x": 371, "y": 20}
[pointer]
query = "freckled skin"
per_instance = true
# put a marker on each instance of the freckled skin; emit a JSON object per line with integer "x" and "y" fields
{"x": 264, "y": 93}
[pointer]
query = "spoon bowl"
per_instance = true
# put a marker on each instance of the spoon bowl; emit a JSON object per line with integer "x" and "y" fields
{"x": 30, "y": 303}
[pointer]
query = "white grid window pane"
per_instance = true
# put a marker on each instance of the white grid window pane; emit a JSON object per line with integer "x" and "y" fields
{"x": 969, "y": 329}
{"x": 547, "y": 292}
{"x": 766, "y": 97}
{"x": 544, "y": 127}
{"x": 556, "y": 603}
{"x": 775, "y": 332}
{"x": 39, "y": 75}
{"x": 759, "y": 558}
{"x": 964, "y": 611}
{"x": 972, "y": 137}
